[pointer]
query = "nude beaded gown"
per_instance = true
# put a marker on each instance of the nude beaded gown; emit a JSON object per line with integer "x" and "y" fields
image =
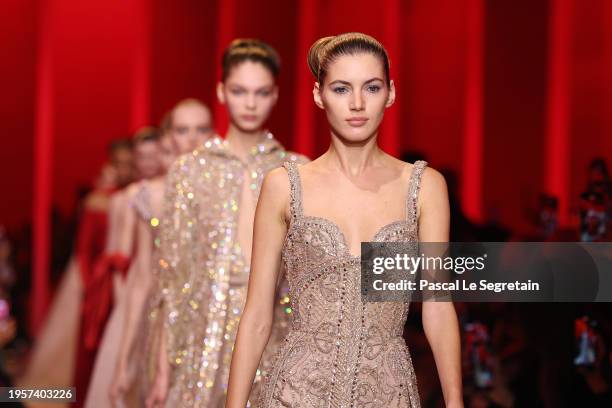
{"x": 340, "y": 352}
{"x": 98, "y": 392}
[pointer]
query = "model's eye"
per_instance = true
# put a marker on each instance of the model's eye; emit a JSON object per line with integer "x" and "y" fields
{"x": 264, "y": 92}
{"x": 181, "y": 130}
{"x": 237, "y": 92}
{"x": 340, "y": 90}
{"x": 373, "y": 88}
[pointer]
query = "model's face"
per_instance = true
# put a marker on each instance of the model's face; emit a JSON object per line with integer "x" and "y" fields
{"x": 121, "y": 161}
{"x": 107, "y": 177}
{"x": 147, "y": 159}
{"x": 191, "y": 126}
{"x": 355, "y": 95}
{"x": 250, "y": 93}
{"x": 166, "y": 152}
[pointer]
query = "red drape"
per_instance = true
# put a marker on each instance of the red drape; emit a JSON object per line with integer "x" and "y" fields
{"x": 484, "y": 88}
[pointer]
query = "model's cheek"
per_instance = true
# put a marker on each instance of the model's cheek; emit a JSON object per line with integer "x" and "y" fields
{"x": 264, "y": 105}
{"x": 234, "y": 104}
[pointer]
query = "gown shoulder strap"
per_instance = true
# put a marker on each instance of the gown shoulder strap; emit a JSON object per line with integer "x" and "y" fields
{"x": 413, "y": 190}
{"x": 295, "y": 204}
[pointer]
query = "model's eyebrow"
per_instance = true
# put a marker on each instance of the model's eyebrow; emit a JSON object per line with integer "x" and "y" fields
{"x": 339, "y": 81}
{"x": 238, "y": 86}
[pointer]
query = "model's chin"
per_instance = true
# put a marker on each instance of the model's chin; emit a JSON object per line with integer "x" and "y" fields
{"x": 183, "y": 148}
{"x": 249, "y": 126}
{"x": 356, "y": 134}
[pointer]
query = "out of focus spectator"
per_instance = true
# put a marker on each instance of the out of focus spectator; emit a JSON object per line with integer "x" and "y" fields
{"x": 596, "y": 204}
{"x": 8, "y": 327}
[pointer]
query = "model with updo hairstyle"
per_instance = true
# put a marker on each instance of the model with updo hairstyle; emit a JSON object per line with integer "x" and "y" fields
{"x": 325, "y": 50}
{"x": 244, "y": 49}
{"x": 205, "y": 247}
{"x": 342, "y": 350}
{"x": 131, "y": 325}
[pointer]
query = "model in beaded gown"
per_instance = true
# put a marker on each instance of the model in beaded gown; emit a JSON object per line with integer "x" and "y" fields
{"x": 184, "y": 128}
{"x": 342, "y": 351}
{"x": 206, "y": 236}
{"x": 203, "y": 311}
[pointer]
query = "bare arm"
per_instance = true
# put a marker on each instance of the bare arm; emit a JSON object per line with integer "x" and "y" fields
{"x": 158, "y": 392}
{"x": 138, "y": 286}
{"x": 439, "y": 318}
{"x": 256, "y": 322}
{"x": 126, "y": 230}
{"x": 114, "y": 220}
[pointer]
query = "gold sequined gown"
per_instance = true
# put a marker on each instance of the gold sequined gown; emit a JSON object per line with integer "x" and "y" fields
{"x": 340, "y": 352}
{"x": 203, "y": 273}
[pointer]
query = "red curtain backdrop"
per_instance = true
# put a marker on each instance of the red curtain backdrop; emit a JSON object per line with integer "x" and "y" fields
{"x": 515, "y": 96}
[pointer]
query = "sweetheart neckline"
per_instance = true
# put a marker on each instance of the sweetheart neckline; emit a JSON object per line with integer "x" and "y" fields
{"x": 339, "y": 231}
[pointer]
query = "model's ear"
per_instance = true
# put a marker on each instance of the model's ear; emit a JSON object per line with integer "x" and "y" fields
{"x": 391, "y": 98}
{"x": 316, "y": 94}
{"x": 221, "y": 92}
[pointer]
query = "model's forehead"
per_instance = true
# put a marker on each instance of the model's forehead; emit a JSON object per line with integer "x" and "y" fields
{"x": 355, "y": 68}
{"x": 250, "y": 74}
{"x": 147, "y": 146}
{"x": 191, "y": 112}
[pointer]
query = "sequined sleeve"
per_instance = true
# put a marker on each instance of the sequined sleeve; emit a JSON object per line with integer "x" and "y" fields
{"x": 176, "y": 254}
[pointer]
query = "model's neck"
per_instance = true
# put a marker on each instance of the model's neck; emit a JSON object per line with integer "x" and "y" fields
{"x": 353, "y": 158}
{"x": 241, "y": 142}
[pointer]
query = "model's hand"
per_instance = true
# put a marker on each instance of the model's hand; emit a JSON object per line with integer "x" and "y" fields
{"x": 159, "y": 392}
{"x": 120, "y": 385}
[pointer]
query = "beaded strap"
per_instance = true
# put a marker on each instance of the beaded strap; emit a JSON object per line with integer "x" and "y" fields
{"x": 295, "y": 198}
{"x": 413, "y": 190}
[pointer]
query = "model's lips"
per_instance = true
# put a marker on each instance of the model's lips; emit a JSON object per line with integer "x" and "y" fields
{"x": 357, "y": 121}
{"x": 249, "y": 118}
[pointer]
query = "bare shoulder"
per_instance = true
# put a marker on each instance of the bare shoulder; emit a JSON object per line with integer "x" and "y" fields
{"x": 275, "y": 192}
{"x": 310, "y": 167}
{"x": 157, "y": 183}
{"x": 277, "y": 182}
{"x": 432, "y": 181}
{"x": 433, "y": 189}
{"x": 132, "y": 190}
